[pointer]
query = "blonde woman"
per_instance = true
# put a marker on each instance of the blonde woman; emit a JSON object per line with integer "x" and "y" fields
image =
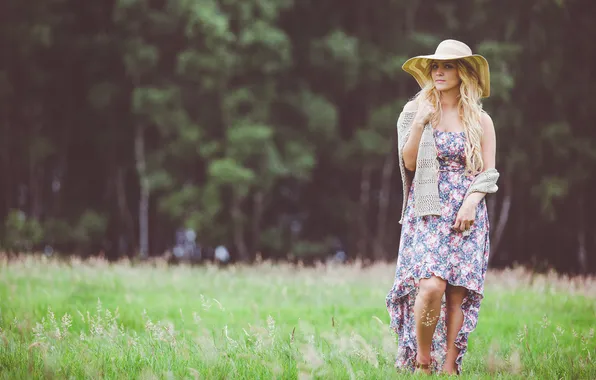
{"x": 447, "y": 161}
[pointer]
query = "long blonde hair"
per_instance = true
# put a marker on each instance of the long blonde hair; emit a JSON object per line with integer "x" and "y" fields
{"x": 469, "y": 109}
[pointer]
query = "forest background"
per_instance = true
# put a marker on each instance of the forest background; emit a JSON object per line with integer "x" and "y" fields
{"x": 268, "y": 126}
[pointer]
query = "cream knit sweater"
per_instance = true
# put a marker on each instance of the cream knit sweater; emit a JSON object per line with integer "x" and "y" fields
{"x": 426, "y": 200}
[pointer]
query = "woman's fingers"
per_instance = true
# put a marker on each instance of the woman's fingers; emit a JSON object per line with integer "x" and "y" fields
{"x": 425, "y": 110}
{"x": 462, "y": 225}
{"x": 457, "y": 225}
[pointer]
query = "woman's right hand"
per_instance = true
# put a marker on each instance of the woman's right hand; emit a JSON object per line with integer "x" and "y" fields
{"x": 424, "y": 113}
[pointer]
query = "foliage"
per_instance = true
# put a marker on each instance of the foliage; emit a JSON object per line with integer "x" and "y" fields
{"x": 21, "y": 233}
{"x": 260, "y": 115}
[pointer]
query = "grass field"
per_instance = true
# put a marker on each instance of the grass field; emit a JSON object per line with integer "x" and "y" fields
{"x": 97, "y": 320}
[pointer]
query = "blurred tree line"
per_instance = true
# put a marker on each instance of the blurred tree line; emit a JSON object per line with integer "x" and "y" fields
{"x": 269, "y": 125}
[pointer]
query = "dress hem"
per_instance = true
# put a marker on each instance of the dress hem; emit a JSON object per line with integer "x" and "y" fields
{"x": 471, "y": 301}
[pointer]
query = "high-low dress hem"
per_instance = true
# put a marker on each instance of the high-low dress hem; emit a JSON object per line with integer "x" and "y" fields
{"x": 402, "y": 303}
{"x": 430, "y": 247}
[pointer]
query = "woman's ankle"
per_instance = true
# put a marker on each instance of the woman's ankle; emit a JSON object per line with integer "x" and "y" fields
{"x": 423, "y": 359}
{"x": 423, "y": 368}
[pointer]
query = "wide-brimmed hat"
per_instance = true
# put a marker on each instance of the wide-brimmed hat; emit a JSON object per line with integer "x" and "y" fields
{"x": 446, "y": 51}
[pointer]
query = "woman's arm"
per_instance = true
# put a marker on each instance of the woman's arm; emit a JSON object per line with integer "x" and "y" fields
{"x": 410, "y": 149}
{"x": 489, "y": 149}
{"x": 467, "y": 212}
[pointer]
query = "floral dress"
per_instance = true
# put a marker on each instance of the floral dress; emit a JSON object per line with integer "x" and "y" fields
{"x": 430, "y": 247}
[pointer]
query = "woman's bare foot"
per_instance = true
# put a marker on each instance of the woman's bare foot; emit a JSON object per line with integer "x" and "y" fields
{"x": 423, "y": 368}
{"x": 422, "y": 365}
{"x": 449, "y": 369}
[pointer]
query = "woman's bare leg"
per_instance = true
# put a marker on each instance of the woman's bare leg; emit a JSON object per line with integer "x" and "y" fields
{"x": 455, "y": 318}
{"x": 427, "y": 309}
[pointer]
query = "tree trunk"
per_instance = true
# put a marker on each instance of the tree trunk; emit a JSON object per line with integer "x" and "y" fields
{"x": 238, "y": 227}
{"x": 144, "y": 196}
{"x": 125, "y": 216}
{"x": 35, "y": 194}
{"x": 503, "y": 218}
{"x": 363, "y": 230}
{"x": 257, "y": 216}
{"x": 57, "y": 179}
{"x": 410, "y": 16}
{"x": 7, "y": 177}
{"x": 384, "y": 196}
{"x": 582, "y": 256}
{"x": 60, "y": 171}
{"x": 491, "y": 205}
{"x": 35, "y": 174}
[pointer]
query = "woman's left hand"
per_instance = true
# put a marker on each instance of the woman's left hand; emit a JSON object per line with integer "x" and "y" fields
{"x": 465, "y": 216}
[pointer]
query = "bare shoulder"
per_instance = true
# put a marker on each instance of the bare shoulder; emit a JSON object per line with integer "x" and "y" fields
{"x": 486, "y": 122}
{"x": 488, "y": 130}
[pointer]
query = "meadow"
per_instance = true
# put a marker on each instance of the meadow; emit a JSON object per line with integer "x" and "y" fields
{"x": 94, "y": 319}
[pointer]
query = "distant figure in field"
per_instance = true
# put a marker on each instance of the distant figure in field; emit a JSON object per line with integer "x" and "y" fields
{"x": 222, "y": 255}
{"x": 446, "y": 146}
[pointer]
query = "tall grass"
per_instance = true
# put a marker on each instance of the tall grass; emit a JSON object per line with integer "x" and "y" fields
{"x": 93, "y": 319}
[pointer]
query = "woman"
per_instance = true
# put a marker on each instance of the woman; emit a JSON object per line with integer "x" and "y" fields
{"x": 447, "y": 161}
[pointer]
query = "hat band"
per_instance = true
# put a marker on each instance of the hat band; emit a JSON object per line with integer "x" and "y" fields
{"x": 447, "y": 56}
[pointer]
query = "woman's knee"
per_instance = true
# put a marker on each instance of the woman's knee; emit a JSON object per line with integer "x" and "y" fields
{"x": 454, "y": 295}
{"x": 432, "y": 288}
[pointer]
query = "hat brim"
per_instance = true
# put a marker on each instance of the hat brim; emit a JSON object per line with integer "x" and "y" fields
{"x": 418, "y": 67}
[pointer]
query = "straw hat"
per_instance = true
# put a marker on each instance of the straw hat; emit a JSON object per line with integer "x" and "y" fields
{"x": 450, "y": 50}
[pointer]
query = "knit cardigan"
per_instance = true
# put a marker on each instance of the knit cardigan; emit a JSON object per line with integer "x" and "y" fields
{"x": 426, "y": 176}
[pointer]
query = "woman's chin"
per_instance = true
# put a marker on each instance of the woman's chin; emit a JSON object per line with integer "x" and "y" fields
{"x": 443, "y": 87}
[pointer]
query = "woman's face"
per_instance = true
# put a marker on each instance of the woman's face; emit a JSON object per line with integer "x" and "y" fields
{"x": 445, "y": 75}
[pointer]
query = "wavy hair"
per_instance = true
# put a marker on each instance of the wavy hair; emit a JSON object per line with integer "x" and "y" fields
{"x": 469, "y": 109}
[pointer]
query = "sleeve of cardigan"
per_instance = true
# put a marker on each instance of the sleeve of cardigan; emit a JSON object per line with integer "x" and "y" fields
{"x": 404, "y": 123}
{"x": 485, "y": 182}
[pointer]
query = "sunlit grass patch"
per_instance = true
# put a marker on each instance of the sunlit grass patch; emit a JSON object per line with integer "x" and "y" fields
{"x": 95, "y": 319}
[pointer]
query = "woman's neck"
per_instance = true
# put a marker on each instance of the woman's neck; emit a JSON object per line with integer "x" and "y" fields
{"x": 449, "y": 99}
